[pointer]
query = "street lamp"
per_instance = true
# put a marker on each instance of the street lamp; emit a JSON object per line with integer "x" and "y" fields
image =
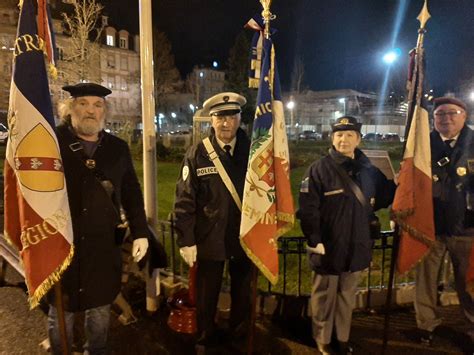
{"x": 471, "y": 96}
{"x": 191, "y": 106}
{"x": 290, "y": 106}
{"x": 343, "y": 101}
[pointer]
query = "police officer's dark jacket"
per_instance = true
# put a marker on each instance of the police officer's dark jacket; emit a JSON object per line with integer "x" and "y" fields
{"x": 205, "y": 212}
{"x": 94, "y": 277}
{"x": 453, "y": 184}
{"x": 331, "y": 214}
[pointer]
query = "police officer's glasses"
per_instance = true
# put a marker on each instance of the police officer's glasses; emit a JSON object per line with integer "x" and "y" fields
{"x": 452, "y": 113}
{"x": 225, "y": 118}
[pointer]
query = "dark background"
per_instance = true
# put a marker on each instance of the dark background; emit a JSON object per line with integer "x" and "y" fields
{"x": 340, "y": 41}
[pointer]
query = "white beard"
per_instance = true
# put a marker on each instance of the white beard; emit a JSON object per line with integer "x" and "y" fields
{"x": 87, "y": 127}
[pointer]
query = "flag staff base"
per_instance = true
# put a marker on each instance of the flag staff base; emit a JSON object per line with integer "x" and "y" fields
{"x": 61, "y": 319}
{"x": 253, "y": 312}
{"x": 388, "y": 301}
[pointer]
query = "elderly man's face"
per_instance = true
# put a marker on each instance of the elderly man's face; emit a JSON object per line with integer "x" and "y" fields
{"x": 449, "y": 119}
{"x": 226, "y": 126}
{"x": 88, "y": 115}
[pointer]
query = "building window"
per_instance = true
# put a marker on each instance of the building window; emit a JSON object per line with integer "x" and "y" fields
{"x": 123, "y": 84}
{"x": 110, "y": 40}
{"x": 123, "y": 63}
{"x": 111, "y": 83}
{"x": 60, "y": 53}
{"x": 123, "y": 43}
{"x": 111, "y": 61}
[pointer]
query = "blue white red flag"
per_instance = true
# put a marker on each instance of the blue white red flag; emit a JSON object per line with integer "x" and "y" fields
{"x": 267, "y": 206}
{"x": 37, "y": 216}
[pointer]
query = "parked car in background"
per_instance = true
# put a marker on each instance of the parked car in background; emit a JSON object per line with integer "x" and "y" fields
{"x": 309, "y": 135}
{"x": 372, "y": 137}
{"x": 3, "y": 134}
{"x": 391, "y": 137}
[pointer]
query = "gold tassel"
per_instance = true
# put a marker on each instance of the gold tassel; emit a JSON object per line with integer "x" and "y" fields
{"x": 53, "y": 71}
{"x": 20, "y": 4}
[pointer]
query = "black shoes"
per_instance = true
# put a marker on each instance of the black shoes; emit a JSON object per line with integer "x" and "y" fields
{"x": 345, "y": 348}
{"x": 426, "y": 337}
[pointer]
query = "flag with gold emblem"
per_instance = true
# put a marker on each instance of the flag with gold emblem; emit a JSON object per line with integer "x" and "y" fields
{"x": 37, "y": 216}
{"x": 267, "y": 206}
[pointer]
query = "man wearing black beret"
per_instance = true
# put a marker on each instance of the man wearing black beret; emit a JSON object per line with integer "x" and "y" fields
{"x": 452, "y": 159}
{"x": 100, "y": 181}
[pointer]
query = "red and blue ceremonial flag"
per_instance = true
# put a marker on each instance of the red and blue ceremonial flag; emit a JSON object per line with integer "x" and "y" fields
{"x": 37, "y": 216}
{"x": 267, "y": 206}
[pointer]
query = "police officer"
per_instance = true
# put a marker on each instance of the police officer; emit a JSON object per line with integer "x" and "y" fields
{"x": 207, "y": 218}
{"x": 100, "y": 180}
{"x": 452, "y": 157}
{"x": 338, "y": 196}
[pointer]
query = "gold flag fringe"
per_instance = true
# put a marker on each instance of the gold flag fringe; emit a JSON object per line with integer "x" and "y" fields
{"x": 20, "y": 4}
{"x": 53, "y": 71}
{"x": 47, "y": 284}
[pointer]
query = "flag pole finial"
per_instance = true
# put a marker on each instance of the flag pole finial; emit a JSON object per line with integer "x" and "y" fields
{"x": 267, "y": 16}
{"x": 424, "y": 15}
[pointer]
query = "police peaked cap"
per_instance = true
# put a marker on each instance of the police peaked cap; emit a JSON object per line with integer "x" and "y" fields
{"x": 226, "y": 102}
{"x": 446, "y": 100}
{"x": 87, "y": 89}
{"x": 346, "y": 123}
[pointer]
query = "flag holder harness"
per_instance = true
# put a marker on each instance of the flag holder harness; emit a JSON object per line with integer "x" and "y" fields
{"x": 222, "y": 172}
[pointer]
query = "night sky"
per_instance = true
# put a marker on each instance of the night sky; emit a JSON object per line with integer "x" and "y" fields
{"x": 340, "y": 41}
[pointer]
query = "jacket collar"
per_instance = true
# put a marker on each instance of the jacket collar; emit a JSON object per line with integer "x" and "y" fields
{"x": 359, "y": 157}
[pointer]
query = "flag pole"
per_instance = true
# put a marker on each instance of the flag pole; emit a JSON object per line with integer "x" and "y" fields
{"x": 60, "y": 318}
{"x": 423, "y": 18}
{"x": 149, "y": 130}
{"x": 267, "y": 16}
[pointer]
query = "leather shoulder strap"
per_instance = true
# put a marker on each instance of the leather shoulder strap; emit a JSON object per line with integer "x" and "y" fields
{"x": 351, "y": 184}
{"x": 222, "y": 172}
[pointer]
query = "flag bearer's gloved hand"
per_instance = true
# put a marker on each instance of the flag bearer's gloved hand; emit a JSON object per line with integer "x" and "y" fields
{"x": 189, "y": 254}
{"x": 318, "y": 249}
{"x": 139, "y": 248}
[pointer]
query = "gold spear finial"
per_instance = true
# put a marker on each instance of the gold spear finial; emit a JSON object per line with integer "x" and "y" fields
{"x": 424, "y": 15}
{"x": 267, "y": 16}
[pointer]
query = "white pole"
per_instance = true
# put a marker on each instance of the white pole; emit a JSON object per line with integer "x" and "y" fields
{"x": 148, "y": 112}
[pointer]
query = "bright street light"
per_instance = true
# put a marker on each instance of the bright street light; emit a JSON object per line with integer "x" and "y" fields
{"x": 290, "y": 105}
{"x": 173, "y": 114}
{"x": 471, "y": 95}
{"x": 391, "y": 56}
{"x": 191, "y": 106}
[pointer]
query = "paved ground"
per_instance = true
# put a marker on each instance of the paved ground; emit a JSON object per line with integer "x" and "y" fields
{"x": 21, "y": 330}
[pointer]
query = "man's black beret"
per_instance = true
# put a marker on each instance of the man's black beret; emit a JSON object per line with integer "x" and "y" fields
{"x": 87, "y": 89}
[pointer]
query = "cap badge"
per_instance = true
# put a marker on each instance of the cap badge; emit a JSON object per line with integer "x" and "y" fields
{"x": 226, "y": 98}
{"x": 344, "y": 121}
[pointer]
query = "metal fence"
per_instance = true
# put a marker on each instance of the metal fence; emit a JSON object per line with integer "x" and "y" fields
{"x": 295, "y": 274}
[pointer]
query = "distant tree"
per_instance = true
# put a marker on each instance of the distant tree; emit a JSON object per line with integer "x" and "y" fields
{"x": 237, "y": 74}
{"x": 82, "y": 55}
{"x": 297, "y": 76}
{"x": 167, "y": 77}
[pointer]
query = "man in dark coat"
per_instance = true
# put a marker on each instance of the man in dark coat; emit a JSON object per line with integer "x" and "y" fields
{"x": 207, "y": 212}
{"x": 338, "y": 196}
{"x": 452, "y": 159}
{"x": 100, "y": 181}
